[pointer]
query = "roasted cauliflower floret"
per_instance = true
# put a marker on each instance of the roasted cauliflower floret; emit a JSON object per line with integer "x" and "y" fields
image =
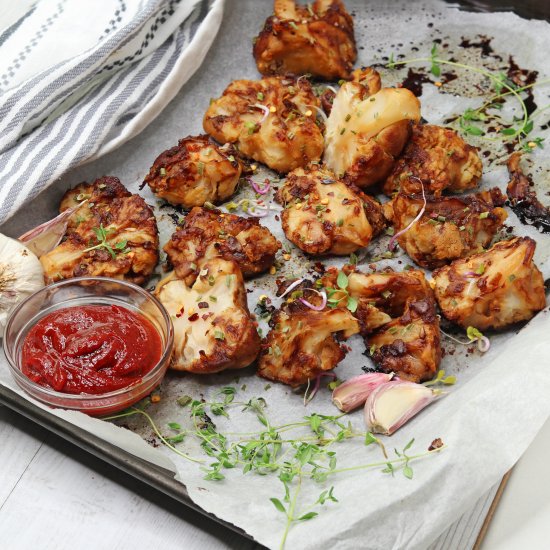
{"x": 449, "y": 228}
{"x": 318, "y": 40}
{"x": 367, "y": 129}
{"x": 494, "y": 289}
{"x": 301, "y": 344}
{"x": 272, "y": 120}
{"x": 113, "y": 234}
{"x": 208, "y": 233}
{"x": 398, "y": 320}
{"x": 523, "y": 197}
{"x": 213, "y": 329}
{"x": 439, "y": 158}
{"x": 323, "y": 215}
{"x": 193, "y": 172}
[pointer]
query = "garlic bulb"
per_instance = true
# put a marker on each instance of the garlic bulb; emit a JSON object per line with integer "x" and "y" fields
{"x": 21, "y": 275}
{"x": 394, "y": 403}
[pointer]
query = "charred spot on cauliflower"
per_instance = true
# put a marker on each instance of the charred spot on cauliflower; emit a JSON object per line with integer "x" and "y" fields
{"x": 439, "y": 158}
{"x": 493, "y": 289}
{"x": 210, "y": 233}
{"x": 193, "y": 172}
{"x": 272, "y": 120}
{"x": 450, "y": 227}
{"x": 322, "y": 215}
{"x": 316, "y": 40}
{"x": 111, "y": 215}
{"x": 213, "y": 329}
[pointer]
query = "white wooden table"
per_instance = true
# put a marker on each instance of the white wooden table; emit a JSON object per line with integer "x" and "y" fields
{"x": 54, "y": 496}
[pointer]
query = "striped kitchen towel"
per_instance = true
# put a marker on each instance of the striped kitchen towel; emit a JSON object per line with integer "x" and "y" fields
{"x": 79, "y": 78}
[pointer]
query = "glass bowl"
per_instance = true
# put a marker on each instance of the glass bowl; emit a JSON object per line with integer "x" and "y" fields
{"x": 88, "y": 291}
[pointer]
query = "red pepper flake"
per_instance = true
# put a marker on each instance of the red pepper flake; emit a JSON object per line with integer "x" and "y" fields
{"x": 193, "y": 317}
{"x": 180, "y": 312}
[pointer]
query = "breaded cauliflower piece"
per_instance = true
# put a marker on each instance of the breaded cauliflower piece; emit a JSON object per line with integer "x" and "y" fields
{"x": 114, "y": 234}
{"x": 208, "y": 233}
{"x": 213, "y": 329}
{"x": 301, "y": 343}
{"x": 493, "y": 289}
{"x": 440, "y": 159}
{"x": 322, "y": 215}
{"x": 367, "y": 129}
{"x": 195, "y": 171}
{"x": 398, "y": 319}
{"x": 272, "y": 120}
{"x": 317, "y": 40}
{"x": 450, "y": 227}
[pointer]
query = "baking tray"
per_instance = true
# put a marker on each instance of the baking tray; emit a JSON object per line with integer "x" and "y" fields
{"x": 161, "y": 479}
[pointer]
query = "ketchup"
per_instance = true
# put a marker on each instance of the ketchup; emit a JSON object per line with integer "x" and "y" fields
{"x": 90, "y": 349}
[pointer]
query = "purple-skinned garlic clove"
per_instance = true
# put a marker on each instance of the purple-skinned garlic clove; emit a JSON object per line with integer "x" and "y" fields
{"x": 354, "y": 392}
{"x": 394, "y": 403}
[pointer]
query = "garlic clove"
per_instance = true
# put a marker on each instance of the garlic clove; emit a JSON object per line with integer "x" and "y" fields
{"x": 21, "y": 275}
{"x": 48, "y": 235}
{"x": 354, "y": 392}
{"x": 394, "y": 403}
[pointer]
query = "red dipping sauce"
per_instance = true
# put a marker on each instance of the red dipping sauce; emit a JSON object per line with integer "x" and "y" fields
{"x": 90, "y": 349}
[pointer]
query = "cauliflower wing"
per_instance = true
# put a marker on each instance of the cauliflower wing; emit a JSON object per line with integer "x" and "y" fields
{"x": 301, "y": 344}
{"x": 213, "y": 329}
{"x": 114, "y": 234}
{"x": 523, "y": 197}
{"x": 439, "y": 158}
{"x": 450, "y": 227}
{"x": 272, "y": 120}
{"x": 208, "y": 233}
{"x": 318, "y": 40}
{"x": 398, "y": 320}
{"x": 367, "y": 129}
{"x": 193, "y": 172}
{"x": 493, "y": 289}
{"x": 323, "y": 215}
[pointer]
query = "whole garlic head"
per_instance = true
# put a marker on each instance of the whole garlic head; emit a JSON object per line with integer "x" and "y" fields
{"x": 21, "y": 275}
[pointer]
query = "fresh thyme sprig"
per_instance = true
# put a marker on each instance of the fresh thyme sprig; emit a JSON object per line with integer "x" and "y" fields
{"x": 519, "y": 129}
{"x": 101, "y": 234}
{"x": 308, "y": 456}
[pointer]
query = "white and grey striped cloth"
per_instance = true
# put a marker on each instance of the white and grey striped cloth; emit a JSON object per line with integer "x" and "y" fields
{"x": 80, "y": 77}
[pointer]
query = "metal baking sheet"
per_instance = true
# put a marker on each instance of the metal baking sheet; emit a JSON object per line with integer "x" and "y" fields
{"x": 155, "y": 476}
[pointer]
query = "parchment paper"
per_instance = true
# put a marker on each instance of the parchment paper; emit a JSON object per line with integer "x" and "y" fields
{"x": 501, "y": 399}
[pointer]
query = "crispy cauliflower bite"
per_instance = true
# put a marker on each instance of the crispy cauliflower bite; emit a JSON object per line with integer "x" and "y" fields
{"x": 398, "y": 320}
{"x": 494, "y": 289}
{"x": 209, "y": 233}
{"x": 193, "y": 172}
{"x": 450, "y": 227}
{"x": 131, "y": 233}
{"x": 213, "y": 329}
{"x": 523, "y": 197}
{"x": 318, "y": 40}
{"x": 323, "y": 215}
{"x": 440, "y": 158}
{"x": 272, "y": 120}
{"x": 301, "y": 344}
{"x": 367, "y": 129}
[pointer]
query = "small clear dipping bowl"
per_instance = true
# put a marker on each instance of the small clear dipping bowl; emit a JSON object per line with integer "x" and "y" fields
{"x": 88, "y": 291}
